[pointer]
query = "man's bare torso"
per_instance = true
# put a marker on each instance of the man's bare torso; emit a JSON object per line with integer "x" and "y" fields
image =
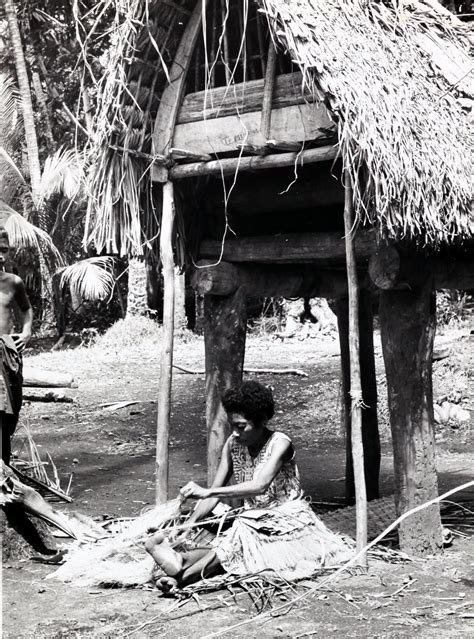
{"x": 9, "y": 291}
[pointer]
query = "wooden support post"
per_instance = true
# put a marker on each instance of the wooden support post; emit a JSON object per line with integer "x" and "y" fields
{"x": 225, "y": 323}
{"x": 370, "y": 429}
{"x": 407, "y": 323}
{"x": 164, "y": 391}
{"x": 356, "y": 387}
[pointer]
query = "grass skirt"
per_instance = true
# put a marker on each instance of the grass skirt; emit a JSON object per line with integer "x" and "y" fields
{"x": 288, "y": 539}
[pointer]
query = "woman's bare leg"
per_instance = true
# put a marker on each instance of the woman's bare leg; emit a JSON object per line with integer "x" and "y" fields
{"x": 167, "y": 558}
{"x": 199, "y": 563}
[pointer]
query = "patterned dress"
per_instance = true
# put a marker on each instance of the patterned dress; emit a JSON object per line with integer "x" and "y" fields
{"x": 277, "y": 530}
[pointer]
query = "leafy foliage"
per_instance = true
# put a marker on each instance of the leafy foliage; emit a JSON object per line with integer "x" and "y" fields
{"x": 90, "y": 279}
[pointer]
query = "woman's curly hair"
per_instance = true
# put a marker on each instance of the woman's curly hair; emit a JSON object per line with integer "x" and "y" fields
{"x": 253, "y": 400}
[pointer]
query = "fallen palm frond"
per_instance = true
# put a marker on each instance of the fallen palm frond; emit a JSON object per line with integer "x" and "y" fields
{"x": 90, "y": 279}
{"x": 382, "y": 69}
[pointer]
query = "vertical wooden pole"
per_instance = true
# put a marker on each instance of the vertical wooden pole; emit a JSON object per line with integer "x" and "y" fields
{"x": 407, "y": 324}
{"x": 225, "y": 325}
{"x": 370, "y": 430}
{"x": 225, "y": 41}
{"x": 166, "y": 364}
{"x": 356, "y": 387}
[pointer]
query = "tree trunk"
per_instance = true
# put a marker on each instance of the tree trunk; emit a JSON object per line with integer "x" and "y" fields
{"x": 26, "y": 103}
{"x": 137, "y": 303}
{"x": 48, "y": 306}
{"x": 225, "y": 324}
{"x": 41, "y": 99}
{"x": 180, "y": 320}
{"x": 407, "y": 322}
{"x": 370, "y": 430}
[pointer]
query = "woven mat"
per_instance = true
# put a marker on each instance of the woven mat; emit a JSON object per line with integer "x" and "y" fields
{"x": 380, "y": 514}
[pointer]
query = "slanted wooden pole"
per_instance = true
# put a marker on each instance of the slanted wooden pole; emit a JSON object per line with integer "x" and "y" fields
{"x": 407, "y": 326}
{"x": 164, "y": 391}
{"x": 225, "y": 323}
{"x": 356, "y": 387}
{"x": 370, "y": 430}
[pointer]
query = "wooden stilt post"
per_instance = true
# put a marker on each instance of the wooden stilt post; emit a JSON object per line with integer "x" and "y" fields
{"x": 225, "y": 323}
{"x": 407, "y": 324}
{"x": 370, "y": 430}
{"x": 356, "y": 387}
{"x": 164, "y": 391}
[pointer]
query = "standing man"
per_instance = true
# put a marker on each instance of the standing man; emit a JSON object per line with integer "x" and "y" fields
{"x": 12, "y": 291}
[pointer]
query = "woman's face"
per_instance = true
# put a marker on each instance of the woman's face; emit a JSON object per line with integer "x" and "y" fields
{"x": 244, "y": 430}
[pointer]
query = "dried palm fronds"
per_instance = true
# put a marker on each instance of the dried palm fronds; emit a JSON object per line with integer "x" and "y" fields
{"x": 404, "y": 136}
{"x": 27, "y": 461}
{"x": 124, "y": 213}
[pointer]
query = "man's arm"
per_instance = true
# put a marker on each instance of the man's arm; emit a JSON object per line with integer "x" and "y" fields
{"x": 21, "y": 298}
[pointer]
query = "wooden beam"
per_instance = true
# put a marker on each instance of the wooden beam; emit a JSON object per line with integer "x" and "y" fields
{"x": 166, "y": 363}
{"x": 370, "y": 430}
{"x": 293, "y": 123}
{"x": 291, "y": 248}
{"x": 407, "y": 324}
{"x": 248, "y": 96}
{"x": 264, "y": 280}
{"x": 172, "y": 95}
{"x": 229, "y": 166}
{"x": 392, "y": 268}
{"x": 357, "y": 400}
{"x": 225, "y": 322}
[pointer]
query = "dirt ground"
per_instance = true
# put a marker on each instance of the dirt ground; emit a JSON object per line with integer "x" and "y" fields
{"x": 110, "y": 453}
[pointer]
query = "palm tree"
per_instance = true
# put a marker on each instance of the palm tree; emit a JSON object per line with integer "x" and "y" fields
{"x": 26, "y": 102}
{"x": 62, "y": 174}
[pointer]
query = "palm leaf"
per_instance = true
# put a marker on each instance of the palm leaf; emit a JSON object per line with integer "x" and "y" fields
{"x": 62, "y": 173}
{"x": 24, "y": 235}
{"x": 90, "y": 279}
{"x": 8, "y": 112}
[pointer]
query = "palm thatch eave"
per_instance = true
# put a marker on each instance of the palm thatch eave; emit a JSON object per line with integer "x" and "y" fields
{"x": 385, "y": 71}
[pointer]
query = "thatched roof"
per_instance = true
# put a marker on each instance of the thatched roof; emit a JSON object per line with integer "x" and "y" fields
{"x": 396, "y": 76}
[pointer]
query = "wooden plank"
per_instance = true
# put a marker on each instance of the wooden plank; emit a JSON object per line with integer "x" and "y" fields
{"x": 293, "y": 123}
{"x": 245, "y": 97}
{"x": 291, "y": 248}
{"x": 230, "y": 165}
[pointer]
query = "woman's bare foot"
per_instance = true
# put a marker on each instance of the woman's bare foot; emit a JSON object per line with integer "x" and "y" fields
{"x": 167, "y": 558}
{"x": 167, "y": 585}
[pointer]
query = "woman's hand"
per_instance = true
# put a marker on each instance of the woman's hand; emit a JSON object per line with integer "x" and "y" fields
{"x": 193, "y": 490}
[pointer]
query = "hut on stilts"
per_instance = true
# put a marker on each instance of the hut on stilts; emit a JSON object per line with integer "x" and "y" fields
{"x": 298, "y": 148}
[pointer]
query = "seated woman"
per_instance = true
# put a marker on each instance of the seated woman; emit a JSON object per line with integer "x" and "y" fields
{"x": 277, "y": 530}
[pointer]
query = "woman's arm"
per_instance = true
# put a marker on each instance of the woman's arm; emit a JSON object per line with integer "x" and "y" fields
{"x": 223, "y": 474}
{"x": 256, "y": 486}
